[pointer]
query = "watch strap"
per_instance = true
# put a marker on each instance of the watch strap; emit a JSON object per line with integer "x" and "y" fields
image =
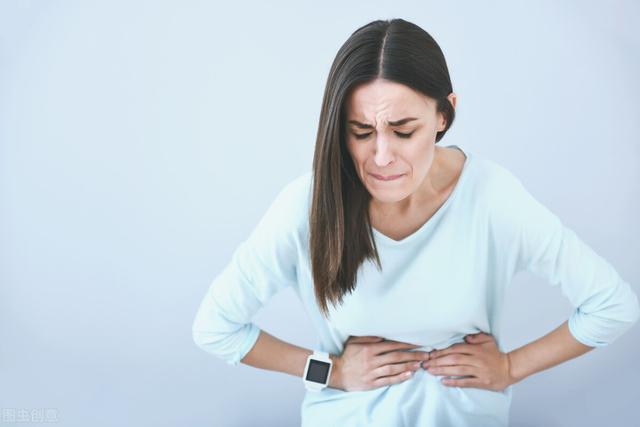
{"x": 322, "y": 354}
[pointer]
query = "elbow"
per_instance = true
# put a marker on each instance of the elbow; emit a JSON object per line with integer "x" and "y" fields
{"x": 204, "y": 337}
{"x": 199, "y": 338}
{"x": 208, "y": 341}
{"x": 201, "y": 333}
{"x": 229, "y": 343}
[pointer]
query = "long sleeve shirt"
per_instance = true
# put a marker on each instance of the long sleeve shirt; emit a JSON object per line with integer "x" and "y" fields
{"x": 444, "y": 281}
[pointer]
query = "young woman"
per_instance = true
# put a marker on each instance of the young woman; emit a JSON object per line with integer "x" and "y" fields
{"x": 401, "y": 251}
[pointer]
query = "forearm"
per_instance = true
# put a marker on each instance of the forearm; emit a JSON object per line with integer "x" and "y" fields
{"x": 274, "y": 354}
{"x": 550, "y": 350}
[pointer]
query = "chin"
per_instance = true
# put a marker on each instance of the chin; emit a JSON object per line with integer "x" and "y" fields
{"x": 390, "y": 196}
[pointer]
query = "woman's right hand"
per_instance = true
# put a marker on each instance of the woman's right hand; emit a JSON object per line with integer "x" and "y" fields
{"x": 369, "y": 362}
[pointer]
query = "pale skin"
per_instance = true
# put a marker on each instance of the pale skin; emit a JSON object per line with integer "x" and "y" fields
{"x": 398, "y": 208}
{"x": 430, "y": 172}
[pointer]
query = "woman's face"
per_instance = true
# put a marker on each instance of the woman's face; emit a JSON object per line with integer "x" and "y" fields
{"x": 391, "y": 133}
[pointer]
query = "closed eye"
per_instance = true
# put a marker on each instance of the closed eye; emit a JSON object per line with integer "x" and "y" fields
{"x": 400, "y": 134}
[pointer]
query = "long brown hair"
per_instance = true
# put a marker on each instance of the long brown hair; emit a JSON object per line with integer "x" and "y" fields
{"x": 340, "y": 235}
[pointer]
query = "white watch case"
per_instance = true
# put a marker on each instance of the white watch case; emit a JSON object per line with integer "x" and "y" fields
{"x": 317, "y": 371}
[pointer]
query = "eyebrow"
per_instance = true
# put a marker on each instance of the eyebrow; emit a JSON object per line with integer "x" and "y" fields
{"x": 391, "y": 123}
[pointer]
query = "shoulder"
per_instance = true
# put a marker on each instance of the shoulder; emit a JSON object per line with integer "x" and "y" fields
{"x": 290, "y": 207}
{"x": 297, "y": 191}
{"x": 493, "y": 181}
{"x": 300, "y": 185}
{"x": 508, "y": 201}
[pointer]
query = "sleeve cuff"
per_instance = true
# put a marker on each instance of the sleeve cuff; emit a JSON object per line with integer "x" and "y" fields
{"x": 576, "y": 327}
{"x": 247, "y": 345}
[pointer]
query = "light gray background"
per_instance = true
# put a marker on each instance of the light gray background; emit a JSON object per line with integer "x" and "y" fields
{"x": 141, "y": 142}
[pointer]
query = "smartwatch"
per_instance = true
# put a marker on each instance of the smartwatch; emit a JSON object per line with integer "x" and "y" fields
{"x": 317, "y": 370}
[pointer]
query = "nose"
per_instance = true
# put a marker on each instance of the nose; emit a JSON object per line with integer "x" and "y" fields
{"x": 383, "y": 155}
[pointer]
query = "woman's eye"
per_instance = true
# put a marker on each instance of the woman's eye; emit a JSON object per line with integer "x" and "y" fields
{"x": 361, "y": 135}
{"x": 365, "y": 135}
{"x": 404, "y": 135}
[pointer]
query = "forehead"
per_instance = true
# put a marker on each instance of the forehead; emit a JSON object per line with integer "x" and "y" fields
{"x": 385, "y": 98}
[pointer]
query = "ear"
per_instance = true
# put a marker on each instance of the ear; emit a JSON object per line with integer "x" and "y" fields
{"x": 442, "y": 122}
{"x": 453, "y": 98}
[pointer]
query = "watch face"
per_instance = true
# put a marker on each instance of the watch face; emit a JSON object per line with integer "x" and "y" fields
{"x": 318, "y": 371}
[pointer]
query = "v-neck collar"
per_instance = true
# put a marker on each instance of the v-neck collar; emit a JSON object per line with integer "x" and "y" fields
{"x": 434, "y": 218}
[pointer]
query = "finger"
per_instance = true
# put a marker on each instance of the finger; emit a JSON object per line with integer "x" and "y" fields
{"x": 453, "y": 359}
{"x": 400, "y": 356}
{"x": 386, "y": 346}
{"x": 479, "y": 338}
{"x": 393, "y": 379}
{"x": 456, "y": 348}
{"x": 462, "y": 382}
{"x": 453, "y": 370}
{"x": 394, "y": 368}
{"x": 364, "y": 339}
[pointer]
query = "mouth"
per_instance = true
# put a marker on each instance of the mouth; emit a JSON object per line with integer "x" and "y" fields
{"x": 387, "y": 178}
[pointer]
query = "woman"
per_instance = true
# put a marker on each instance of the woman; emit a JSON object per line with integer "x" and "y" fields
{"x": 401, "y": 252}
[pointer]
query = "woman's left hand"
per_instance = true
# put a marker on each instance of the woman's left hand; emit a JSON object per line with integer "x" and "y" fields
{"x": 479, "y": 357}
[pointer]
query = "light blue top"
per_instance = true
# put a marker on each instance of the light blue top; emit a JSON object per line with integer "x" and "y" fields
{"x": 446, "y": 280}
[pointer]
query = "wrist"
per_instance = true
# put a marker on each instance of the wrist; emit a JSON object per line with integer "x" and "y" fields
{"x": 514, "y": 375}
{"x": 335, "y": 380}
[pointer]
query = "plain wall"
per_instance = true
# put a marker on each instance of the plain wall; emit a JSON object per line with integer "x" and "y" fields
{"x": 140, "y": 142}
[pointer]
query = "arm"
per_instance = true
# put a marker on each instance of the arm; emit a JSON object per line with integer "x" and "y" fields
{"x": 605, "y": 306}
{"x": 260, "y": 266}
{"x": 491, "y": 368}
{"x": 274, "y": 354}
{"x": 554, "y": 348}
